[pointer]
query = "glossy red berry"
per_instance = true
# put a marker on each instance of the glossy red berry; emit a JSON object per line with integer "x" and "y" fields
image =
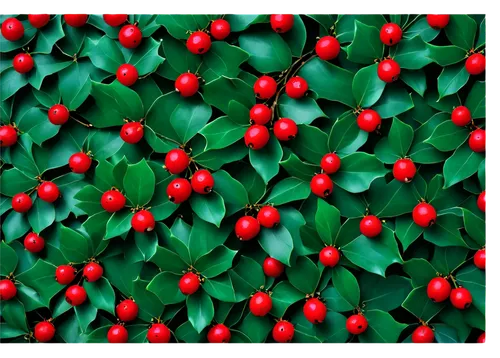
{"x": 92, "y": 272}
{"x": 21, "y": 203}
{"x": 265, "y": 87}
{"x": 79, "y": 163}
{"x": 314, "y": 311}
{"x": 34, "y": 243}
{"x": 477, "y": 140}
{"x": 390, "y": 34}
{"x": 246, "y": 228}
{"x": 475, "y": 64}
{"x": 198, "y": 43}
{"x": 12, "y": 29}
{"x": 39, "y": 21}
{"x": 65, "y": 274}
{"x": 461, "y": 116}
{"x": 482, "y": 338}
{"x": 117, "y": 334}
{"x": 8, "y": 136}
{"x": 112, "y": 201}
{"x": 438, "y": 289}
{"x": 187, "y": 84}
{"x": 176, "y": 161}
{"x": 7, "y": 290}
{"x": 48, "y": 191}
{"x": 388, "y": 70}
{"x": 127, "y": 74}
{"x": 76, "y": 20}
{"x": 282, "y": 23}
{"x": 423, "y": 334}
{"x": 256, "y": 137}
{"x": 272, "y": 267}
{"x": 132, "y": 132}
{"x": 404, "y": 170}
{"x": 424, "y": 215}
{"x": 260, "y": 304}
{"x": 327, "y": 48}
{"x": 189, "y": 283}
{"x": 460, "y": 298}
{"x": 260, "y": 114}
{"x": 158, "y": 333}
{"x": 283, "y": 332}
{"x": 115, "y": 20}
{"x": 268, "y": 216}
{"x": 369, "y": 120}
{"x": 219, "y": 334}
{"x": 480, "y": 259}
{"x": 285, "y": 129}
{"x": 44, "y": 331}
{"x": 370, "y": 226}
{"x": 202, "y": 182}
{"x": 58, "y": 114}
{"x": 438, "y": 21}
{"x": 76, "y": 295}
{"x": 23, "y": 63}
{"x": 330, "y": 163}
{"x": 296, "y": 87}
{"x": 127, "y": 310}
{"x": 481, "y": 201}
{"x": 130, "y": 36}
{"x": 329, "y": 256}
{"x": 179, "y": 190}
{"x": 356, "y": 324}
{"x": 143, "y": 221}
{"x": 220, "y": 29}
{"x": 321, "y": 185}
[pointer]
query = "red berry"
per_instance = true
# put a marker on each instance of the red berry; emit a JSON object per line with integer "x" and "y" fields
{"x": 475, "y": 64}
{"x": 461, "y": 116}
{"x": 12, "y": 29}
{"x": 370, "y": 226}
{"x": 321, "y": 185}
{"x": 260, "y": 114}
{"x": 330, "y": 163}
{"x": 220, "y": 29}
{"x": 356, "y": 324}
{"x": 76, "y": 20}
{"x": 44, "y": 331}
{"x": 8, "y": 136}
{"x": 481, "y": 201}
{"x": 130, "y": 36}
{"x": 424, "y": 215}
{"x": 7, "y": 290}
{"x": 369, "y": 120}
{"x": 127, "y": 310}
{"x": 265, "y": 87}
{"x": 282, "y": 23}
{"x": 423, "y": 334}
{"x": 315, "y": 311}
{"x": 115, "y": 20}
{"x": 283, "y": 332}
{"x": 21, "y": 202}
{"x": 268, "y": 216}
{"x": 256, "y": 137}
{"x": 34, "y": 243}
{"x": 260, "y": 304}
{"x": 482, "y": 338}
{"x": 202, "y": 181}
{"x": 285, "y": 129}
{"x": 272, "y": 267}
{"x": 48, "y": 191}
{"x": 477, "y": 140}
{"x": 246, "y": 228}
{"x": 132, "y": 132}
{"x": 327, "y": 48}
{"x": 38, "y": 21}
{"x": 438, "y": 289}
{"x": 189, "y": 283}
{"x": 388, "y": 70}
{"x": 58, "y": 114}
{"x": 79, "y": 163}
{"x": 76, "y": 295}
{"x": 176, "y": 161}
{"x": 480, "y": 259}
{"x": 127, "y": 74}
{"x": 65, "y": 274}
{"x": 404, "y": 170}
{"x": 296, "y": 87}
{"x": 143, "y": 221}
{"x": 329, "y": 256}
{"x": 438, "y": 21}
{"x": 117, "y": 334}
{"x": 112, "y": 201}
{"x": 460, "y": 298}
{"x": 219, "y": 334}
{"x": 199, "y": 43}
{"x": 23, "y": 63}
{"x": 158, "y": 333}
{"x": 390, "y": 34}
{"x": 179, "y": 190}
{"x": 187, "y": 84}
{"x": 92, "y": 272}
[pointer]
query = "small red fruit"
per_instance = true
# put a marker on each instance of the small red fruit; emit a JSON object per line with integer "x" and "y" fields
{"x": 356, "y": 324}
{"x": 115, "y": 20}
{"x": 117, "y": 334}
{"x": 158, "y": 333}
{"x": 187, "y": 84}
{"x": 260, "y": 304}
{"x": 21, "y": 203}
{"x": 246, "y": 228}
{"x": 327, "y": 48}
{"x": 176, "y": 161}
{"x": 189, "y": 283}
{"x": 260, "y": 114}
{"x": 370, "y": 226}
{"x": 424, "y": 215}
{"x": 219, "y": 334}
{"x": 477, "y": 140}
{"x": 315, "y": 311}
{"x": 76, "y": 20}
{"x": 272, "y": 267}
{"x": 127, "y": 74}
{"x": 8, "y": 136}
{"x": 390, "y": 34}
{"x": 423, "y": 334}
{"x": 112, "y": 201}
{"x": 404, "y": 170}
{"x": 65, "y": 274}
{"x": 438, "y": 21}
{"x": 198, "y": 43}
{"x": 179, "y": 190}
{"x": 48, "y": 191}
{"x": 438, "y": 289}
{"x": 480, "y": 259}
{"x": 38, "y": 21}
{"x": 130, "y": 36}
{"x": 44, "y": 331}
{"x": 285, "y": 129}
{"x": 12, "y": 29}
{"x": 388, "y": 70}
{"x": 132, "y": 132}
{"x": 329, "y": 256}
{"x": 220, "y": 29}
{"x": 256, "y": 137}
{"x": 92, "y": 271}
{"x": 482, "y": 338}
{"x": 127, "y": 310}
{"x": 76, "y": 295}
{"x": 283, "y": 332}
{"x": 296, "y": 87}
{"x": 79, "y": 163}
{"x": 475, "y": 64}
{"x": 143, "y": 221}
{"x": 321, "y": 185}
{"x": 461, "y": 116}
{"x": 34, "y": 243}
{"x": 481, "y": 201}
{"x": 202, "y": 182}
{"x": 265, "y": 87}
{"x": 23, "y": 63}
{"x": 282, "y": 23}
{"x": 330, "y": 163}
{"x": 369, "y": 120}
{"x": 58, "y": 114}
{"x": 268, "y": 216}
{"x": 7, "y": 290}
{"x": 460, "y": 298}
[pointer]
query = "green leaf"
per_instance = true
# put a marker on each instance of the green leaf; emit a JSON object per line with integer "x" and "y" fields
{"x": 139, "y": 183}
{"x": 327, "y": 221}
{"x": 49, "y": 35}
{"x": 384, "y": 294}
{"x": 209, "y": 207}
{"x": 461, "y": 31}
{"x": 220, "y": 92}
{"x": 407, "y": 231}
{"x": 41, "y": 278}
{"x": 242, "y": 22}
{"x": 277, "y": 242}
{"x": 106, "y": 55}
{"x": 445, "y": 334}
{"x": 382, "y": 328}
{"x": 420, "y": 271}
{"x": 296, "y": 37}
{"x": 303, "y": 111}
{"x": 119, "y": 223}
{"x": 266, "y": 160}
{"x": 146, "y": 58}
{"x": 357, "y": 172}
{"x": 346, "y": 284}
{"x": 334, "y": 301}
{"x": 101, "y": 294}
{"x": 41, "y": 215}
{"x": 447, "y": 136}
{"x": 412, "y": 53}
{"x": 400, "y": 137}
{"x": 189, "y": 116}
{"x": 250, "y": 273}
{"x": 14, "y": 314}
{"x": 474, "y": 280}
{"x": 475, "y": 227}
{"x": 304, "y": 275}
{"x": 221, "y": 288}
{"x": 179, "y": 25}
{"x": 452, "y": 79}
{"x": 268, "y": 51}
{"x": 446, "y": 55}
{"x": 73, "y": 245}
{"x": 461, "y": 165}
{"x": 149, "y": 304}
{"x": 421, "y": 28}
{"x": 297, "y": 168}
{"x": 256, "y": 328}
{"x": 345, "y": 26}
{"x": 421, "y": 306}
{"x": 222, "y": 132}
{"x": 45, "y": 65}
{"x": 35, "y": 124}
{"x": 367, "y": 87}
{"x": 311, "y": 143}
{"x": 11, "y": 83}
{"x": 104, "y": 143}
{"x": 85, "y": 314}
{"x": 416, "y": 80}
{"x": 222, "y": 60}
{"x": 346, "y": 137}
{"x": 447, "y": 259}
{"x": 366, "y": 45}
{"x": 476, "y": 99}
{"x": 75, "y": 83}
{"x": 200, "y": 310}
{"x": 393, "y": 102}
{"x": 284, "y": 295}
{"x": 165, "y": 285}
{"x": 232, "y": 191}
{"x": 288, "y": 190}
{"x": 215, "y": 262}
{"x": 445, "y": 232}
{"x": 8, "y": 260}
